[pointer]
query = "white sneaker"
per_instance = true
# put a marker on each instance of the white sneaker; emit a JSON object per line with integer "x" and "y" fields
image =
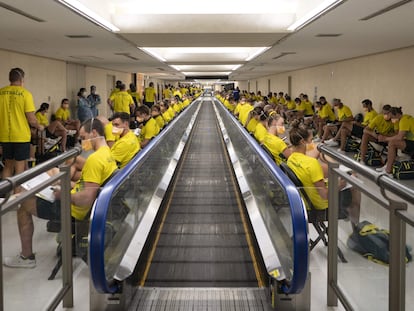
{"x": 71, "y": 132}
{"x": 331, "y": 143}
{"x": 19, "y": 261}
{"x": 383, "y": 171}
{"x": 317, "y": 139}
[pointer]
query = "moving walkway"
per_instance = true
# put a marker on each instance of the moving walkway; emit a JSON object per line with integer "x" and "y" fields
{"x": 202, "y": 217}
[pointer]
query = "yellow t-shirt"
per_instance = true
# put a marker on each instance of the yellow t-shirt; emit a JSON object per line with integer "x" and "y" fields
{"x": 380, "y": 125}
{"x": 149, "y": 130}
{"x": 149, "y": 94}
{"x": 136, "y": 96}
{"x": 122, "y": 101}
{"x": 344, "y": 112}
{"x": 160, "y": 121}
{"x": 125, "y": 148}
{"x": 42, "y": 119}
{"x": 62, "y": 114}
{"x": 98, "y": 167}
{"x": 166, "y": 93}
{"x": 309, "y": 171}
{"x": 308, "y": 108}
{"x": 15, "y": 102}
{"x": 291, "y": 105}
{"x": 326, "y": 113}
{"x": 406, "y": 124}
{"x": 166, "y": 116}
{"x": 171, "y": 111}
{"x": 370, "y": 115}
{"x": 108, "y": 132}
{"x": 260, "y": 132}
{"x": 276, "y": 146}
{"x": 251, "y": 126}
{"x": 244, "y": 113}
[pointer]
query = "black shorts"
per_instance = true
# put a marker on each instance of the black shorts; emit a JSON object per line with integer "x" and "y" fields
{"x": 345, "y": 200}
{"x": 16, "y": 151}
{"x": 357, "y": 130}
{"x": 409, "y": 146}
{"x": 48, "y": 210}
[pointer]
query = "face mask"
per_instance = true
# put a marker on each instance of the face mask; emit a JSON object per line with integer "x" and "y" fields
{"x": 310, "y": 147}
{"x": 117, "y": 130}
{"x": 394, "y": 120}
{"x": 87, "y": 145}
{"x": 84, "y": 94}
{"x": 317, "y": 109}
{"x": 280, "y": 129}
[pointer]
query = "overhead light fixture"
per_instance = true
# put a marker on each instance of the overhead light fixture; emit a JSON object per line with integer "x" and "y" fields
{"x": 257, "y": 53}
{"x": 153, "y": 53}
{"x": 82, "y": 10}
{"x": 236, "y": 67}
{"x": 312, "y": 15}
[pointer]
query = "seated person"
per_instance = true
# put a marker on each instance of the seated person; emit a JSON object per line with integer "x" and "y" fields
{"x": 54, "y": 128}
{"x": 63, "y": 116}
{"x": 356, "y": 127}
{"x": 324, "y": 114}
{"x": 149, "y": 127}
{"x": 344, "y": 114}
{"x": 310, "y": 173}
{"x": 166, "y": 113}
{"x": 273, "y": 143}
{"x": 253, "y": 119}
{"x": 127, "y": 145}
{"x": 156, "y": 114}
{"x": 403, "y": 140}
{"x": 260, "y": 130}
{"x": 99, "y": 166}
{"x": 380, "y": 125}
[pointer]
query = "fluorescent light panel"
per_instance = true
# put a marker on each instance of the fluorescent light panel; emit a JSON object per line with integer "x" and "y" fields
{"x": 81, "y": 9}
{"x": 314, "y": 14}
{"x": 205, "y": 67}
{"x": 182, "y": 53}
{"x": 205, "y": 73}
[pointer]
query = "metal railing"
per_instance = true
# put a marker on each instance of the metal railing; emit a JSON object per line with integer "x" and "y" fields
{"x": 388, "y": 193}
{"x": 10, "y": 203}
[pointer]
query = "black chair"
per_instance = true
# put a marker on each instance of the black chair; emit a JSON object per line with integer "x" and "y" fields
{"x": 316, "y": 217}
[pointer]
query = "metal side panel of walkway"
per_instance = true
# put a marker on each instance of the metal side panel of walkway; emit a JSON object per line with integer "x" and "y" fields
{"x": 202, "y": 240}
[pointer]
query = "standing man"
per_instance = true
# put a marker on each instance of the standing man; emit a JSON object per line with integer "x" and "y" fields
{"x": 121, "y": 101}
{"x": 16, "y": 116}
{"x": 150, "y": 95}
{"x": 94, "y": 100}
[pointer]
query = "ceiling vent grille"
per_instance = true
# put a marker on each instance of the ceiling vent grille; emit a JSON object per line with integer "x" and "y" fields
{"x": 20, "y": 12}
{"x": 283, "y": 54}
{"x": 386, "y": 9}
{"x": 328, "y": 35}
{"x": 127, "y": 55}
{"x": 78, "y": 36}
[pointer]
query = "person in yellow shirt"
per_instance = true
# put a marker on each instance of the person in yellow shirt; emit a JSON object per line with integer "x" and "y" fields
{"x": 127, "y": 145}
{"x": 17, "y": 115}
{"x": 309, "y": 171}
{"x": 260, "y": 131}
{"x": 54, "y": 128}
{"x": 63, "y": 116}
{"x": 167, "y": 93}
{"x": 149, "y": 128}
{"x": 135, "y": 95}
{"x": 156, "y": 114}
{"x": 356, "y": 127}
{"x": 403, "y": 140}
{"x": 344, "y": 114}
{"x": 272, "y": 142}
{"x": 324, "y": 114}
{"x": 150, "y": 95}
{"x": 380, "y": 125}
{"x": 244, "y": 111}
{"x": 164, "y": 108}
{"x": 121, "y": 101}
{"x": 98, "y": 168}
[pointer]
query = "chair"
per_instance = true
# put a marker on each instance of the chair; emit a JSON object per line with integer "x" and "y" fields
{"x": 80, "y": 232}
{"x": 316, "y": 217}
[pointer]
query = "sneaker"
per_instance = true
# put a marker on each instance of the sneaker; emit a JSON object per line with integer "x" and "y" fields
{"x": 19, "y": 261}
{"x": 383, "y": 171}
{"x": 317, "y": 139}
{"x": 341, "y": 151}
{"x": 71, "y": 132}
{"x": 331, "y": 143}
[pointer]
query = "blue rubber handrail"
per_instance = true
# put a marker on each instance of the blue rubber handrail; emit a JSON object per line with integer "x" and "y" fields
{"x": 298, "y": 213}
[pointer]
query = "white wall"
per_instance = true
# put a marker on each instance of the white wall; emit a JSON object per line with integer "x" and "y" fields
{"x": 47, "y": 78}
{"x": 384, "y": 78}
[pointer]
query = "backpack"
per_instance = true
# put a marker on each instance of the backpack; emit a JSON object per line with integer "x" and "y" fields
{"x": 352, "y": 145}
{"x": 372, "y": 243}
{"x": 372, "y": 158}
{"x": 403, "y": 169}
